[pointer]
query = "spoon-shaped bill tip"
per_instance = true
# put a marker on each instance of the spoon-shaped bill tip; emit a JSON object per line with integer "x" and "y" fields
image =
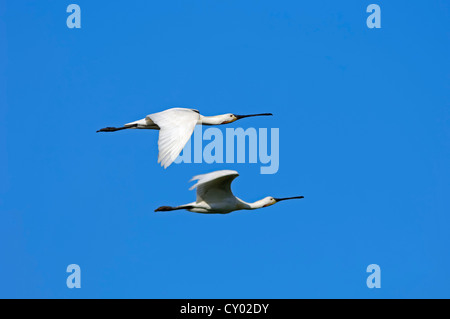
{"x": 286, "y": 198}
{"x": 260, "y": 114}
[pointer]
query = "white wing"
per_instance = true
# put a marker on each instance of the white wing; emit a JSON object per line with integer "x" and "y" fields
{"x": 215, "y": 186}
{"x": 176, "y": 127}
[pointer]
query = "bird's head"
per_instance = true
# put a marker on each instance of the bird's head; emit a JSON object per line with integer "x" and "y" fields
{"x": 230, "y": 118}
{"x": 269, "y": 201}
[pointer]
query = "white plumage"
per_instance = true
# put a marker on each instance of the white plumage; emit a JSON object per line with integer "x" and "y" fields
{"x": 214, "y": 195}
{"x": 175, "y": 129}
{"x": 176, "y": 126}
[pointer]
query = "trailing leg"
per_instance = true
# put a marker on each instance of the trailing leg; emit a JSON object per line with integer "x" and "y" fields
{"x": 170, "y": 208}
{"x": 114, "y": 129}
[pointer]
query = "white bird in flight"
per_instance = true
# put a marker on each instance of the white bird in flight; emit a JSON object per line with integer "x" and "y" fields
{"x": 214, "y": 196}
{"x": 175, "y": 128}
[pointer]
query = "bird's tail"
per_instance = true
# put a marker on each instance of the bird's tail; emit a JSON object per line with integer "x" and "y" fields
{"x": 114, "y": 129}
{"x": 170, "y": 208}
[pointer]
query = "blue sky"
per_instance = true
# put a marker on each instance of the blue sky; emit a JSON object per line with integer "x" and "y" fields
{"x": 364, "y": 118}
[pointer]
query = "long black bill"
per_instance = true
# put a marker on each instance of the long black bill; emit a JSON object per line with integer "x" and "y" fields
{"x": 244, "y": 116}
{"x": 281, "y": 199}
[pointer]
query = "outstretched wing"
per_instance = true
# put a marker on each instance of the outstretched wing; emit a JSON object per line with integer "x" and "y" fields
{"x": 214, "y": 186}
{"x": 176, "y": 127}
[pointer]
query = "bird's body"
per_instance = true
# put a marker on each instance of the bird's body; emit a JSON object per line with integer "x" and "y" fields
{"x": 176, "y": 126}
{"x": 214, "y": 196}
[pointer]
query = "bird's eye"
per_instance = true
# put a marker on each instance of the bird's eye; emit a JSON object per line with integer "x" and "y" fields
{"x": 231, "y": 115}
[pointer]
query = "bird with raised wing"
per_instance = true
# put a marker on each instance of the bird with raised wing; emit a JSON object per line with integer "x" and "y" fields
{"x": 214, "y": 196}
{"x": 175, "y": 127}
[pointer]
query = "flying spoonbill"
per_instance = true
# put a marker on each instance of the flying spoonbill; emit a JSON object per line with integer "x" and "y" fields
{"x": 214, "y": 196}
{"x": 175, "y": 128}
